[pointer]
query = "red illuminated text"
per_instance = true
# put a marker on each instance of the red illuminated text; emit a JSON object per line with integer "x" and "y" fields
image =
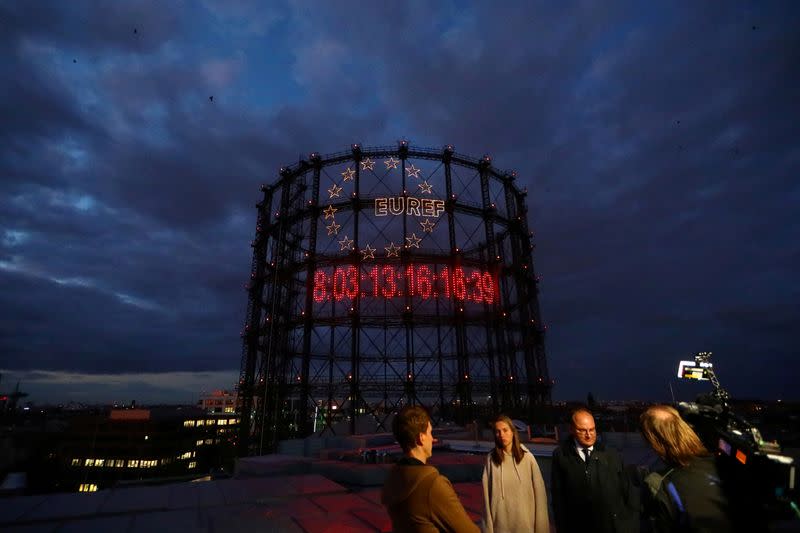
{"x": 395, "y": 281}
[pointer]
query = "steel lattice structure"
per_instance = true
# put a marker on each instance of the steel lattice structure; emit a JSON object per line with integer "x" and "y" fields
{"x": 386, "y": 276}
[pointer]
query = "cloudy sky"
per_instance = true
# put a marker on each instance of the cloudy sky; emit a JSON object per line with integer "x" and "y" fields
{"x": 659, "y": 142}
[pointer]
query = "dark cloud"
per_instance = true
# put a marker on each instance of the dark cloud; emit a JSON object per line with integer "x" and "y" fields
{"x": 93, "y": 26}
{"x": 658, "y": 144}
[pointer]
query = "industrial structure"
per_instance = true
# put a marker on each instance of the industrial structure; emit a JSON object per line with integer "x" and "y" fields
{"x": 383, "y": 277}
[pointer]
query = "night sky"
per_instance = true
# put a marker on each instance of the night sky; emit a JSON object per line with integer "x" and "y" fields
{"x": 660, "y": 142}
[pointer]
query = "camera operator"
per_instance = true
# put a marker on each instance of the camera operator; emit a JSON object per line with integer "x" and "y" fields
{"x": 689, "y": 496}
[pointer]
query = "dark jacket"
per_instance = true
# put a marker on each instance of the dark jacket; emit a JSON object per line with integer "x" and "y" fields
{"x": 594, "y": 495}
{"x": 691, "y": 499}
{"x": 421, "y": 500}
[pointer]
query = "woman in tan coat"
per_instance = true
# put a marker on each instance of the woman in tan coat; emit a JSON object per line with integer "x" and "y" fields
{"x": 513, "y": 489}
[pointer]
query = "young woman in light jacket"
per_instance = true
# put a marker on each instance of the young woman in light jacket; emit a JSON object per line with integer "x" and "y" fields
{"x": 513, "y": 489}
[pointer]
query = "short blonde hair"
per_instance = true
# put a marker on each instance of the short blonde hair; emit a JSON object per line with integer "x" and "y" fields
{"x": 670, "y": 437}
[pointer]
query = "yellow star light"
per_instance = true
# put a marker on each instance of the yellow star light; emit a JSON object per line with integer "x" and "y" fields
{"x": 392, "y": 250}
{"x": 335, "y": 191}
{"x": 368, "y": 252}
{"x": 329, "y": 212}
{"x": 413, "y": 171}
{"x": 367, "y": 164}
{"x": 348, "y": 174}
{"x": 413, "y": 241}
{"x": 345, "y": 244}
{"x": 426, "y": 187}
{"x": 427, "y": 225}
{"x": 391, "y": 163}
{"x": 333, "y": 229}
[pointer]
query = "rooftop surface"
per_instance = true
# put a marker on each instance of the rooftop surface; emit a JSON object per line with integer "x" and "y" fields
{"x": 269, "y": 493}
{"x": 290, "y": 493}
{"x": 300, "y": 502}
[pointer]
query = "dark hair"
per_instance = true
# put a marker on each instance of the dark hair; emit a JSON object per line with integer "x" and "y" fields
{"x": 516, "y": 447}
{"x": 408, "y": 424}
{"x": 671, "y": 438}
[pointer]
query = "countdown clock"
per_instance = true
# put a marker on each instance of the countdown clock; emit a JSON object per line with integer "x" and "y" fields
{"x": 414, "y": 280}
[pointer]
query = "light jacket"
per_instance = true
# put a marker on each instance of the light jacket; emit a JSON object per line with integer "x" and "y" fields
{"x": 514, "y": 495}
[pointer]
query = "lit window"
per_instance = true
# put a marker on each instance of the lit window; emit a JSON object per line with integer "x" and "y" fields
{"x": 201, "y": 423}
{"x": 194, "y": 453}
{"x": 209, "y": 441}
{"x": 89, "y": 462}
{"x": 99, "y": 462}
{"x": 222, "y": 422}
{"x": 210, "y": 422}
{"x": 187, "y": 455}
{"x": 199, "y": 443}
{"x": 87, "y": 487}
{"x": 133, "y": 463}
{"x": 231, "y": 421}
{"x": 192, "y": 464}
{"x": 229, "y": 409}
{"x": 188, "y": 423}
{"x": 76, "y": 462}
{"x": 120, "y": 463}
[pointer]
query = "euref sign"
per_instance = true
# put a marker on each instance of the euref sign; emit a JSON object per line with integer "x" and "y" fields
{"x": 421, "y": 207}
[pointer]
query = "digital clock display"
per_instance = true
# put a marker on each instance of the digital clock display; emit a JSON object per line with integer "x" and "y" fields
{"x": 398, "y": 281}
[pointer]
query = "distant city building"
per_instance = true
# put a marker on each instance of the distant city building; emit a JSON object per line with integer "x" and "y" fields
{"x": 218, "y": 401}
{"x": 129, "y": 445}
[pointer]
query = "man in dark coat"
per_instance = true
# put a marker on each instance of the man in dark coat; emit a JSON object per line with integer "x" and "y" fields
{"x": 589, "y": 485}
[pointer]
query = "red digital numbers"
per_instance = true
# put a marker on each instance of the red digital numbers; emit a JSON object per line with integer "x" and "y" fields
{"x": 320, "y": 286}
{"x": 459, "y": 284}
{"x": 389, "y": 283}
{"x": 393, "y": 281}
{"x": 345, "y": 283}
{"x": 424, "y": 282}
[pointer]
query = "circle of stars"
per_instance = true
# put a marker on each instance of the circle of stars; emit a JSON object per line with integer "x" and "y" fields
{"x": 349, "y": 174}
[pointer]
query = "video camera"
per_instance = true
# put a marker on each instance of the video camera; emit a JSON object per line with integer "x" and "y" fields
{"x": 754, "y": 468}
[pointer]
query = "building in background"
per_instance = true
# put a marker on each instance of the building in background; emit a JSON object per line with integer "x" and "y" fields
{"x": 218, "y": 401}
{"x": 126, "y": 446}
